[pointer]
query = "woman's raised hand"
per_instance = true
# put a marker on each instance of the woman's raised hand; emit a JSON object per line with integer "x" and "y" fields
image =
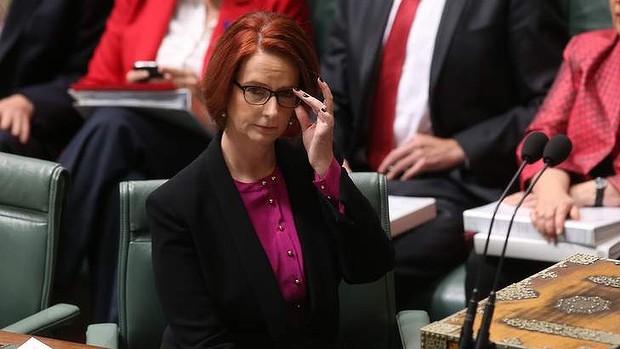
{"x": 318, "y": 136}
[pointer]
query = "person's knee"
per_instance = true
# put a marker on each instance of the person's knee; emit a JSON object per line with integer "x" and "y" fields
{"x": 6, "y": 142}
{"x": 111, "y": 120}
{"x": 10, "y": 144}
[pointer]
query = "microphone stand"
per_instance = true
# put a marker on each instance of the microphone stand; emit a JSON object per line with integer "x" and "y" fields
{"x": 482, "y": 340}
{"x": 467, "y": 330}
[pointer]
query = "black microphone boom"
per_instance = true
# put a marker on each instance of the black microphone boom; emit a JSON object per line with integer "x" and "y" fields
{"x": 557, "y": 150}
{"x": 532, "y": 151}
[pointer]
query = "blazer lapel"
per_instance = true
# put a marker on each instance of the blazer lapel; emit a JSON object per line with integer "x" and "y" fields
{"x": 371, "y": 41}
{"x": 254, "y": 259}
{"x": 449, "y": 21}
{"x": 18, "y": 16}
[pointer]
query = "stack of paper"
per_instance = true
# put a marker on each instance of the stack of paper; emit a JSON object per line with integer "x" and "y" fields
{"x": 159, "y": 100}
{"x": 408, "y": 212}
{"x": 597, "y": 232}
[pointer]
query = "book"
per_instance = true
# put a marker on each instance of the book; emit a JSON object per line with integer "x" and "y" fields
{"x": 408, "y": 212}
{"x": 158, "y": 100}
{"x": 539, "y": 249}
{"x": 596, "y": 224}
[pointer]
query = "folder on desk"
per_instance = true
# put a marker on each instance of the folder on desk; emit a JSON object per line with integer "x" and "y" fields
{"x": 160, "y": 100}
{"x": 408, "y": 212}
{"x": 596, "y": 225}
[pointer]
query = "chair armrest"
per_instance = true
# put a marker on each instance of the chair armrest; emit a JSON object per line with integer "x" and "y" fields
{"x": 409, "y": 324}
{"x": 102, "y": 335}
{"x": 55, "y": 316}
{"x": 449, "y": 295}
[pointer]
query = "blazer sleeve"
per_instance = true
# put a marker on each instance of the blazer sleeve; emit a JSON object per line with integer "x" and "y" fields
{"x": 536, "y": 36}
{"x": 365, "y": 251}
{"x": 182, "y": 289}
{"x": 106, "y": 65}
{"x": 88, "y": 18}
{"x": 552, "y": 118}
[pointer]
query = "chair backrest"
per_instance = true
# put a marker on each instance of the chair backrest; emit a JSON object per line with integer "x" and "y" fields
{"x": 322, "y": 12}
{"x": 141, "y": 320}
{"x": 31, "y": 198}
{"x": 584, "y": 15}
{"x": 367, "y": 311}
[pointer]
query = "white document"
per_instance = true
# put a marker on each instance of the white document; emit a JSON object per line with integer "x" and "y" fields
{"x": 539, "y": 249}
{"x": 174, "y": 106}
{"x": 597, "y": 224}
{"x": 408, "y": 212}
{"x": 180, "y": 99}
{"x": 33, "y": 343}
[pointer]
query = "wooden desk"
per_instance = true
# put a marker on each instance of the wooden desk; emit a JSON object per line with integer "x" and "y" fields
{"x": 19, "y": 339}
{"x": 574, "y": 304}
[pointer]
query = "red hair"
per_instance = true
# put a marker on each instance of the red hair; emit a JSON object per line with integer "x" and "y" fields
{"x": 269, "y": 32}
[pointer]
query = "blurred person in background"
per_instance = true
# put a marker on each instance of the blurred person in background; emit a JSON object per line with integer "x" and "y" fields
{"x": 44, "y": 47}
{"x": 584, "y": 104}
{"x": 437, "y": 95}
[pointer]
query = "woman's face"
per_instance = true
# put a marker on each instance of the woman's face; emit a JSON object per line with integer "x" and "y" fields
{"x": 614, "y": 8}
{"x": 261, "y": 124}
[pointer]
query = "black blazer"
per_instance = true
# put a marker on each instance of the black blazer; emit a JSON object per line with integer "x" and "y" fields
{"x": 45, "y": 46}
{"x": 493, "y": 63}
{"x": 213, "y": 277}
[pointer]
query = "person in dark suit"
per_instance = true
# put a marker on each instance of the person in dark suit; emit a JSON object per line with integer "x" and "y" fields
{"x": 251, "y": 240}
{"x": 117, "y": 143}
{"x": 44, "y": 47}
{"x": 472, "y": 74}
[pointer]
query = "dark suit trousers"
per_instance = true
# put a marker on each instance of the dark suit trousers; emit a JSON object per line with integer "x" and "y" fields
{"x": 50, "y": 133}
{"x": 115, "y": 144}
{"x": 427, "y": 252}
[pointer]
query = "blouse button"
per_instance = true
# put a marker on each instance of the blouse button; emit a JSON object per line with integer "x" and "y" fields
{"x": 280, "y": 228}
{"x": 322, "y": 187}
{"x": 263, "y": 183}
{"x": 297, "y": 282}
{"x": 290, "y": 253}
{"x": 329, "y": 197}
{"x": 271, "y": 201}
{"x": 273, "y": 178}
{"x": 298, "y": 306}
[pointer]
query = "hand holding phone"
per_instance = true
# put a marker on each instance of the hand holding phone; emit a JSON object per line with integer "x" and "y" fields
{"x": 150, "y": 67}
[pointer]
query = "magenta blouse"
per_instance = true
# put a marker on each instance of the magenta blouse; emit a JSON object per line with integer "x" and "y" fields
{"x": 269, "y": 209}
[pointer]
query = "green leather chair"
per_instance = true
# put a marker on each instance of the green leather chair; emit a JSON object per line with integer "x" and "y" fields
{"x": 584, "y": 15}
{"x": 31, "y": 197}
{"x": 322, "y": 12}
{"x": 368, "y": 317}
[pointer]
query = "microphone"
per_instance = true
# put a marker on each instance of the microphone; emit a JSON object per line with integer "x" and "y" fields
{"x": 556, "y": 151}
{"x": 531, "y": 152}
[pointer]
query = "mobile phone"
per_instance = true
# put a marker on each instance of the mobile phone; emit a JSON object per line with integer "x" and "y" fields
{"x": 150, "y": 67}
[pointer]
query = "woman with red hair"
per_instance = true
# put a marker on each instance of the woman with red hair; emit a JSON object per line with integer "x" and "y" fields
{"x": 116, "y": 144}
{"x": 251, "y": 240}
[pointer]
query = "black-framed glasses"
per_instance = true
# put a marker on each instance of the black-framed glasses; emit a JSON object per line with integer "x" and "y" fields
{"x": 258, "y": 95}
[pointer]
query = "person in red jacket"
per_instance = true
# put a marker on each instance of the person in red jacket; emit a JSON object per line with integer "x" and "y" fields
{"x": 117, "y": 144}
{"x": 584, "y": 104}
